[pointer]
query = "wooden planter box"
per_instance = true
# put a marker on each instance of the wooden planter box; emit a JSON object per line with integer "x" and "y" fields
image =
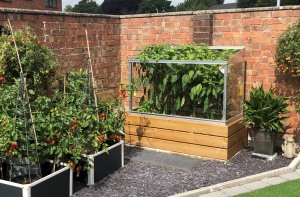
{"x": 104, "y": 164}
{"x": 58, "y": 184}
{"x": 187, "y": 137}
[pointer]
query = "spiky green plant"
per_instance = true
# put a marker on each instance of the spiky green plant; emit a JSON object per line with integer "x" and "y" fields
{"x": 264, "y": 110}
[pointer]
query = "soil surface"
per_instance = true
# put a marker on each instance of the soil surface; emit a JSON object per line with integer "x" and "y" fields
{"x": 143, "y": 179}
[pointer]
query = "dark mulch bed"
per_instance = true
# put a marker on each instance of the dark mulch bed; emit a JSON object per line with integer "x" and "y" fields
{"x": 142, "y": 179}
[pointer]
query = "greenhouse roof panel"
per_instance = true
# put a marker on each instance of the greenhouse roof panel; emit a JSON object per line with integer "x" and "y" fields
{"x": 177, "y": 61}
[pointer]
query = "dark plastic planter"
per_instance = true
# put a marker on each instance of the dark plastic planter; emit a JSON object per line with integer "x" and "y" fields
{"x": 264, "y": 141}
{"x": 58, "y": 184}
{"x": 104, "y": 164}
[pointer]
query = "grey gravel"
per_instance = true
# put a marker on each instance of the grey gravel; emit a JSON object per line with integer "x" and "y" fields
{"x": 143, "y": 179}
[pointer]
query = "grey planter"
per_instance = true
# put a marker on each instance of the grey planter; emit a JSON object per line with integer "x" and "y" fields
{"x": 264, "y": 141}
{"x": 58, "y": 184}
{"x": 103, "y": 163}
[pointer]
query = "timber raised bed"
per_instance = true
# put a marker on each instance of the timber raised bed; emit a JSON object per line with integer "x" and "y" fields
{"x": 193, "y": 138}
{"x": 189, "y": 105}
{"x": 58, "y": 184}
{"x": 104, "y": 164}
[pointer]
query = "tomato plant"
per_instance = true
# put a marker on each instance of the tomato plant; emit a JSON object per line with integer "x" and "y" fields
{"x": 287, "y": 56}
{"x": 38, "y": 62}
{"x": 183, "y": 89}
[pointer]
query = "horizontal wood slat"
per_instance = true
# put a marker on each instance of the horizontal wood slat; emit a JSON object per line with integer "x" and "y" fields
{"x": 235, "y": 126}
{"x": 237, "y": 137}
{"x": 177, "y": 125}
{"x": 193, "y": 138}
{"x": 191, "y": 149}
{"x": 237, "y": 147}
{"x": 186, "y": 137}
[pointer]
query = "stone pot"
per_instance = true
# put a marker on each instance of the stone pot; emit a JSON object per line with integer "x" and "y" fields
{"x": 264, "y": 141}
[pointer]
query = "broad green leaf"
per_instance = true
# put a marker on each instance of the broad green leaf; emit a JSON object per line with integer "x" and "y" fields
{"x": 31, "y": 92}
{"x": 185, "y": 80}
{"x": 139, "y": 81}
{"x": 191, "y": 73}
{"x": 183, "y": 101}
{"x": 198, "y": 88}
{"x": 174, "y": 78}
{"x": 146, "y": 82}
{"x": 206, "y": 104}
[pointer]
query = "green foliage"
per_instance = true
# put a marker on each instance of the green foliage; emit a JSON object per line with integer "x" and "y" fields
{"x": 264, "y": 110}
{"x": 68, "y": 8}
{"x": 8, "y": 136}
{"x": 192, "y": 5}
{"x": 66, "y": 124}
{"x": 38, "y": 62}
{"x": 220, "y": 2}
{"x": 87, "y": 6}
{"x": 182, "y": 88}
{"x": 246, "y": 3}
{"x": 150, "y": 6}
{"x": 287, "y": 57}
{"x": 146, "y": 107}
{"x": 120, "y": 6}
{"x": 263, "y": 3}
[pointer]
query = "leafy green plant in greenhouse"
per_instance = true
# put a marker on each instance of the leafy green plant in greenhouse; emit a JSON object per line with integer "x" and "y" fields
{"x": 146, "y": 107}
{"x": 183, "y": 89}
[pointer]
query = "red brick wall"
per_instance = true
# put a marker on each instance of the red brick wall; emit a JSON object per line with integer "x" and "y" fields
{"x": 114, "y": 39}
{"x": 30, "y": 4}
{"x": 66, "y": 36}
{"x": 258, "y": 32}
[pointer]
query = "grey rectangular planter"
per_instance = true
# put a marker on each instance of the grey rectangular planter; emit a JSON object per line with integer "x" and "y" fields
{"x": 104, "y": 164}
{"x": 264, "y": 141}
{"x": 58, "y": 184}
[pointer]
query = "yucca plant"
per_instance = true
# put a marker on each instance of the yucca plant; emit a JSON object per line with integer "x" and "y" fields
{"x": 264, "y": 110}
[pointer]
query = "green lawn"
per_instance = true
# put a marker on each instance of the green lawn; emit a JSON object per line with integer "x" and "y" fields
{"x": 287, "y": 189}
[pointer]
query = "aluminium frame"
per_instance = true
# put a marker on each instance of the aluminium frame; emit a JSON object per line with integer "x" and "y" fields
{"x": 184, "y": 118}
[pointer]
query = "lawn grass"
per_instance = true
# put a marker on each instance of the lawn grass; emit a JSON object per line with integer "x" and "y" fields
{"x": 287, "y": 189}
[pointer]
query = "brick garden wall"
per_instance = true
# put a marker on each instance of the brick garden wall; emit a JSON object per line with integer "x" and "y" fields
{"x": 65, "y": 35}
{"x": 114, "y": 39}
{"x": 258, "y": 31}
{"x": 32, "y": 4}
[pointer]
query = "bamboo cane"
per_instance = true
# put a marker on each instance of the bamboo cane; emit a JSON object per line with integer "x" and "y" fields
{"x": 25, "y": 88}
{"x": 64, "y": 89}
{"x": 95, "y": 97}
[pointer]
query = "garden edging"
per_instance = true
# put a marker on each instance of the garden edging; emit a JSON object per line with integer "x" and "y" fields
{"x": 103, "y": 163}
{"x": 237, "y": 182}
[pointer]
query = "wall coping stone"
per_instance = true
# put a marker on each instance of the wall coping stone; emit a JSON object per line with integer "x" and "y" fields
{"x": 73, "y": 14}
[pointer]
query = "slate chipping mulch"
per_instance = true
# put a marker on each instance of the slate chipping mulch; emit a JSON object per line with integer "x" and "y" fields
{"x": 141, "y": 179}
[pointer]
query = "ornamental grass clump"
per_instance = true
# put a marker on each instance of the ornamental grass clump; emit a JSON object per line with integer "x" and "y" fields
{"x": 264, "y": 110}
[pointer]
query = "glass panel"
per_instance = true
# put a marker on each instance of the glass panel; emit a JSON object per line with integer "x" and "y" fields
{"x": 179, "y": 89}
{"x": 190, "y": 90}
{"x": 50, "y": 3}
{"x": 235, "y": 85}
{"x": 54, "y": 3}
{"x": 46, "y": 3}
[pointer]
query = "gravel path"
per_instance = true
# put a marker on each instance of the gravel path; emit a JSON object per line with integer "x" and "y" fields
{"x": 142, "y": 179}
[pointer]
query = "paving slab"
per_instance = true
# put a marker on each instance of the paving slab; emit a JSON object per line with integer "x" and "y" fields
{"x": 291, "y": 175}
{"x": 214, "y": 194}
{"x": 255, "y": 185}
{"x": 164, "y": 159}
{"x": 274, "y": 180}
{"x": 235, "y": 190}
